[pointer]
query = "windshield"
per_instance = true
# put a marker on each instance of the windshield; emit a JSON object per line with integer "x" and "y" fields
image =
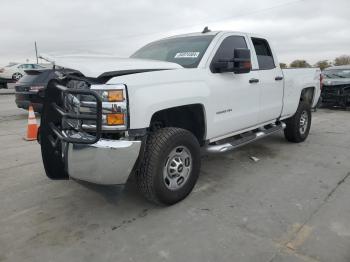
{"x": 185, "y": 51}
{"x": 37, "y": 77}
{"x": 337, "y": 73}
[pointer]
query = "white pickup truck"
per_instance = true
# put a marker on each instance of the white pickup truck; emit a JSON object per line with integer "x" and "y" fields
{"x": 155, "y": 113}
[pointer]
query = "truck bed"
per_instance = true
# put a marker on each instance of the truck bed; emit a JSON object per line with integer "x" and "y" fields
{"x": 296, "y": 79}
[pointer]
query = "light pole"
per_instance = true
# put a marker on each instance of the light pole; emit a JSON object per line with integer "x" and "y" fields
{"x": 36, "y": 53}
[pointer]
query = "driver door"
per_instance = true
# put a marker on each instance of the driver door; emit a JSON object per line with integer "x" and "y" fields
{"x": 235, "y": 96}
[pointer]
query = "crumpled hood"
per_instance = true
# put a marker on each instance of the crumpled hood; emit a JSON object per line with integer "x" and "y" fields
{"x": 95, "y": 66}
{"x": 336, "y": 82}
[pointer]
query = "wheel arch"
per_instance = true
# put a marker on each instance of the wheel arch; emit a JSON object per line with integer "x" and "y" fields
{"x": 191, "y": 117}
{"x": 308, "y": 95}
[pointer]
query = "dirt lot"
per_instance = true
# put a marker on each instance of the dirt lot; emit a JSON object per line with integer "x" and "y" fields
{"x": 292, "y": 205}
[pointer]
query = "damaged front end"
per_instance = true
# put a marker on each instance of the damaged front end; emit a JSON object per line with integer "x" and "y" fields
{"x": 83, "y": 131}
{"x": 336, "y": 95}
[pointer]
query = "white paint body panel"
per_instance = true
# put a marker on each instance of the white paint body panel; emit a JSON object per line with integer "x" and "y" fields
{"x": 249, "y": 105}
{"x": 295, "y": 81}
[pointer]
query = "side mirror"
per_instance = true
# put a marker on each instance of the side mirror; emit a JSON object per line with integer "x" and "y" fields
{"x": 242, "y": 61}
{"x": 239, "y": 64}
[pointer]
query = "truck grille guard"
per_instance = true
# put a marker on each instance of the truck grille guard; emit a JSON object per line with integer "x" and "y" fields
{"x": 62, "y": 117}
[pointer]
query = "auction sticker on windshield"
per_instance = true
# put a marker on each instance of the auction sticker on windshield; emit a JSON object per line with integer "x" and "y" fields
{"x": 187, "y": 55}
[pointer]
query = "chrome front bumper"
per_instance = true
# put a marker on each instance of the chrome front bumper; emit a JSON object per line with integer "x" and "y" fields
{"x": 107, "y": 162}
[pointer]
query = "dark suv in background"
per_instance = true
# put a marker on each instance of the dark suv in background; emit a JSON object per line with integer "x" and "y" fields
{"x": 28, "y": 86}
{"x": 336, "y": 86}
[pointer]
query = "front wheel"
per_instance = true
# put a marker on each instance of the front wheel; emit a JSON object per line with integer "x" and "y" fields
{"x": 170, "y": 166}
{"x": 298, "y": 126}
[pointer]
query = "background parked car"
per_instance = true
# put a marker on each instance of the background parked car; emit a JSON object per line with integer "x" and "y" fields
{"x": 28, "y": 86}
{"x": 336, "y": 86}
{"x": 16, "y": 71}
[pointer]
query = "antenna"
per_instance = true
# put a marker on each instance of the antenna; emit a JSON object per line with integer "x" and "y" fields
{"x": 206, "y": 30}
{"x": 36, "y": 53}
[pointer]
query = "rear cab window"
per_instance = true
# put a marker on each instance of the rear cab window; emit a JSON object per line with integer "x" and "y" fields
{"x": 26, "y": 79}
{"x": 40, "y": 78}
{"x": 226, "y": 49}
{"x": 263, "y": 53}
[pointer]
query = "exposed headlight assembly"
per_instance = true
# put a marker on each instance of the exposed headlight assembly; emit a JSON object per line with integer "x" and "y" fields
{"x": 114, "y": 108}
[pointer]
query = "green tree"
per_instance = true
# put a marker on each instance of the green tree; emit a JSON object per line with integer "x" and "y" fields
{"x": 299, "y": 63}
{"x": 342, "y": 60}
{"x": 323, "y": 64}
{"x": 283, "y": 65}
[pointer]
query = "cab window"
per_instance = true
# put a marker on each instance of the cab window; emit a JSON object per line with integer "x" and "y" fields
{"x": 226, "y": 49}
{"x": 263, "y": 53}
{"x": 37, "y": 66}
{"x": 26, "y": 66}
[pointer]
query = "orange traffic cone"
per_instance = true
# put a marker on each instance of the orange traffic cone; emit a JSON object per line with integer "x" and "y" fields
{"x": 32, "y": 129}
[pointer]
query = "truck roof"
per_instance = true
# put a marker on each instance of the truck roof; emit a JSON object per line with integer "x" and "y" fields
{"x": 213, "y": 33}
{"x": 194, "y": 34}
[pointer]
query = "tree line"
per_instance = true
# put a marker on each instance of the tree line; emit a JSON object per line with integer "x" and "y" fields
{"x": 340, "y": 60}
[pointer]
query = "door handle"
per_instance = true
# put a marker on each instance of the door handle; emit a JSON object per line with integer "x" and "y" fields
{"x": 253, "y": 80}
{"x": 279, "y": 78}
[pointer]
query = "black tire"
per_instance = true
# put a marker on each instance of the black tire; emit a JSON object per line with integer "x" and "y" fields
{"x": 54, "y": 165}
{"x": 150, "y": 178}
{"x": 17, "y": 76}
{"x": 293, "y": 131}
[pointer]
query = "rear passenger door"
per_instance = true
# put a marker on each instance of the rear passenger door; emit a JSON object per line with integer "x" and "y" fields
{"x": 270, "y": 81}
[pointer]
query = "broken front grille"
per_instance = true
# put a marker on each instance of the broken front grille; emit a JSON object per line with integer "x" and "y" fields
{"x": 338, "y": 95}
{"x": 336, "y": 90}
{"x": 65, "y": 114}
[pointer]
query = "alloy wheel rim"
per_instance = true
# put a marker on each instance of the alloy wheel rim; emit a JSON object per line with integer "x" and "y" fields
{"x": 17, "y": 76}
{"x": 177, "y": 168}
{"x": 303, "y": 123}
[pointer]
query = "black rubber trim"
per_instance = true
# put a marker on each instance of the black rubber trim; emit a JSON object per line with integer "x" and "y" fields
{"x": 111, "y": 74}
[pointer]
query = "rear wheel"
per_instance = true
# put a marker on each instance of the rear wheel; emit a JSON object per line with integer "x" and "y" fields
{"x": 298, "y": 126}
{"x": 170, "y": 166}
